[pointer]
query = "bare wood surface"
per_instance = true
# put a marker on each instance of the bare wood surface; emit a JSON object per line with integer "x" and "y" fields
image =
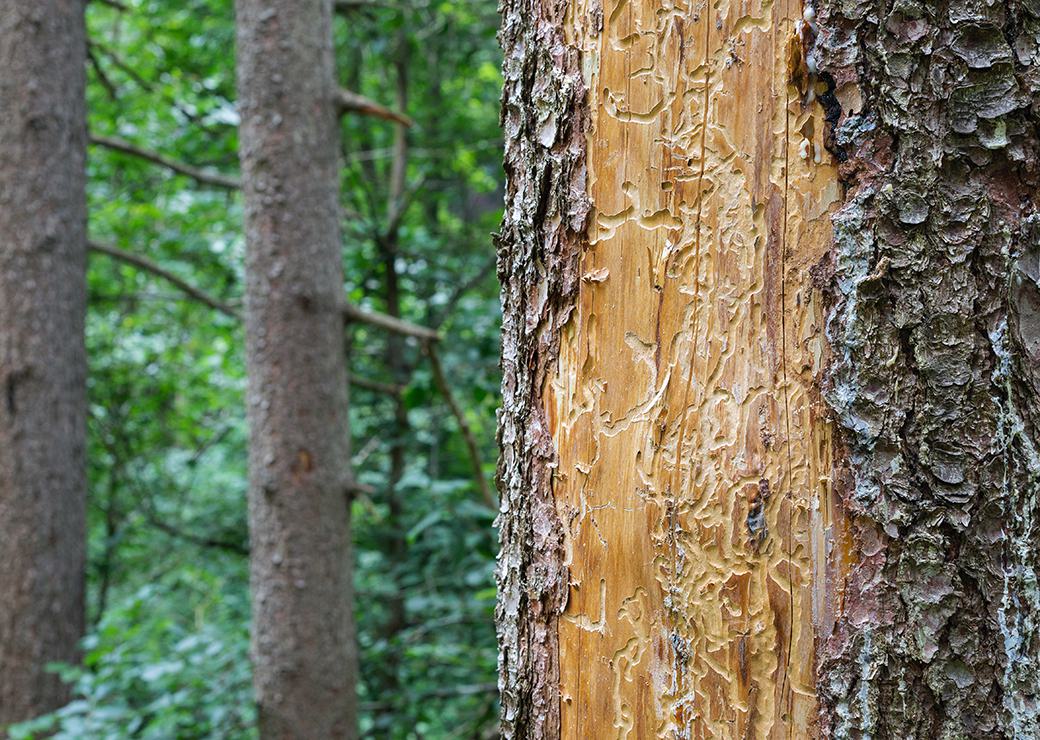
{"x": 694, "y": 479}
{"x": 376, "y": 386}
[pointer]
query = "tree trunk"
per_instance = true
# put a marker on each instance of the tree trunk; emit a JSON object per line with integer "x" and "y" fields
{"x": 42, "y": 356}
{"x": 770, "y": 282}
{"x": 303, "y": 635}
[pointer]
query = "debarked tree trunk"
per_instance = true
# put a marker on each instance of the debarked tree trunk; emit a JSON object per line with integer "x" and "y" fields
{"x": 771, "y": 340}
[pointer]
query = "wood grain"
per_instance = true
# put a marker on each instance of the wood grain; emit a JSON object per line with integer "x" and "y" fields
{"x": 704, "y": 541}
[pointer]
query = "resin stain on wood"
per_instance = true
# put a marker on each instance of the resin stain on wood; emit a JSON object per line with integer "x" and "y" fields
{"x": 704, "y": 543}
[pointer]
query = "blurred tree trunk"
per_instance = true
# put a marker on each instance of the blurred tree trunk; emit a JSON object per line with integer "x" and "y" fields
{"x": 42, "y": 356}
{"x": 303, "y": 634}
{"x": 719, "y": 520}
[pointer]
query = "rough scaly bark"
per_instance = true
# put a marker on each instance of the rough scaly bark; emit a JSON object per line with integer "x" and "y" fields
{"x": 42, "y": 356}
{"x": 934, "y": 382}
{"x": 543, "y": 230}
{"x": 303, "y": 636}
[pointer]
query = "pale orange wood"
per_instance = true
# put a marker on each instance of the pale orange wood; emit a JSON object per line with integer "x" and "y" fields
{"x": 686, "y": 393}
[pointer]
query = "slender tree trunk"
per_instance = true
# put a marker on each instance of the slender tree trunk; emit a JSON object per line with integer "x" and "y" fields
{"x": 303, "y": 635}
{"x": 769, "y": 448}
{"x": 42, "y": 355}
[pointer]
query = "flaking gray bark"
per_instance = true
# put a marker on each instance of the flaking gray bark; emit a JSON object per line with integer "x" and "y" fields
{"x": 543, "y": 230}
{"x": 42, "y": 356}
{"x": 303, "y": 636}
{"x": 936, "y": 340}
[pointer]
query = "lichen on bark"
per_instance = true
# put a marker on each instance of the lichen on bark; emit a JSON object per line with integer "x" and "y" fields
{"x": 543, "y": 231}
{"x": 934, "y": 381}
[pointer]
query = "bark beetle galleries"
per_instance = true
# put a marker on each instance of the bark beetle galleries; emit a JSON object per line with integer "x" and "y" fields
{"x": 689, "y": 374}
{"x": 644, "y": 403}
{"x": 659, "y": 364}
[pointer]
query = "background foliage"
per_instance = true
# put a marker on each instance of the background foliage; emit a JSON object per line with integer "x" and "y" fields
{"x": 167, "y": 652}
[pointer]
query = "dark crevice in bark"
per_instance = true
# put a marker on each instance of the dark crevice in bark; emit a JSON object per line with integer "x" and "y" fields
{"x": 934, "y": 356}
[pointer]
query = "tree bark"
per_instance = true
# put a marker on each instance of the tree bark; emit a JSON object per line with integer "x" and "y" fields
{"x": 42, "y": 356}
{"x": 935, "y": 378}
{"x": 303, "y": 635}
{"x": 769, "y": 275}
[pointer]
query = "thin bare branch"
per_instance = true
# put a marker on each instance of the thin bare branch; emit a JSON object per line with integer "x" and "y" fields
{"x": 143, "y": 263}
{"x": 110, "y": 88}
{"x": 377, "y": 386}
{"x": 357, "y": 488}
{"x": 367, "y": 449}
{"x": 203, "y": 177}
{"x": 350, "y": 102}
{"x": 439, "y": 693}
{"x": 398, "y": 208}
{"x": 467, "y": 433}
{"x": 121, "y": 64}
{"x": 353, "y": 314}
{"x": 210, "y": 542}
{"x": 346, "y": 6}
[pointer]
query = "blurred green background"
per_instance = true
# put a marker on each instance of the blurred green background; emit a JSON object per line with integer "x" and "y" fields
{"x": 167, "y": 651}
